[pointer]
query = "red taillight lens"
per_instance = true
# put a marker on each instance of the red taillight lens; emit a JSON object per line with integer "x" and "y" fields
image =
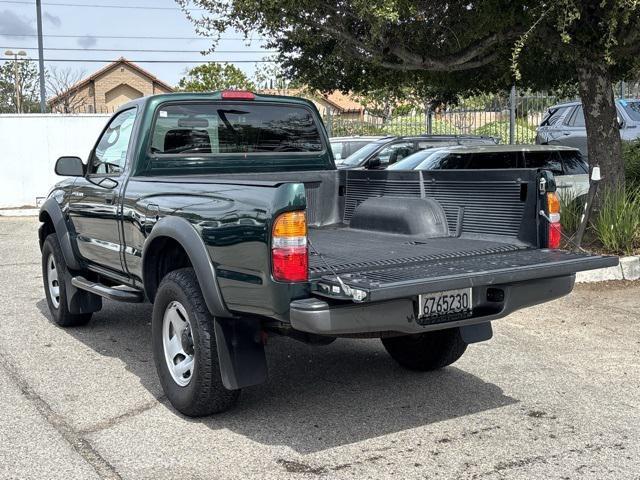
{"x": 555, "y": 228}
{"x": 290, "y": 259}
{"x": 555, "y": 235}
{"x": 290, "y": 264}
{"x": 238, "y": 95}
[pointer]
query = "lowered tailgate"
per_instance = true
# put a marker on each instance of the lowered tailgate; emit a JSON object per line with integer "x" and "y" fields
{"x": 414, "y": 278}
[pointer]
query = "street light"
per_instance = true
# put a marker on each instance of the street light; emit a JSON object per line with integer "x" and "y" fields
{"x": 15, "y": 55}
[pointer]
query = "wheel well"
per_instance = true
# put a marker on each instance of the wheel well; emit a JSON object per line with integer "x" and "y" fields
{"x": 161, "y": 257}
{"x": 46, "y": 228}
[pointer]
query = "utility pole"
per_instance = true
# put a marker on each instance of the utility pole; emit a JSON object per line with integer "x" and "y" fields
{"x": 43, "y": 104}
{"x": 16, "y": 74}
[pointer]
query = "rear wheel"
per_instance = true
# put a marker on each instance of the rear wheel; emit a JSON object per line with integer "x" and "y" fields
{"x": 426, "y": 351}
{"x": 184, "y": 348}
{"x": 55, "y": 275}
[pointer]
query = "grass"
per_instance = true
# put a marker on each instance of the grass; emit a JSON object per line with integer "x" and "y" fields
{"x": 571, "y": 213}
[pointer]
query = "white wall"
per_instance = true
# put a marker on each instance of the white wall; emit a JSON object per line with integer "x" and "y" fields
{"x": 31, "y": 144}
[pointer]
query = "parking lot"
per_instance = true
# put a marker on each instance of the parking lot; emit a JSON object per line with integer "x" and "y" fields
{"x": 555, "y": 394}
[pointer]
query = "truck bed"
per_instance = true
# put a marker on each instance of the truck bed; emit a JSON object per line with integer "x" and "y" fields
{"x": 342, "y": 249}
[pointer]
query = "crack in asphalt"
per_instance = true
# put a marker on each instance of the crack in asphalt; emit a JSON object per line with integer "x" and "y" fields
{"x": 110, "y": 422}
{"x": 103, "y": 468}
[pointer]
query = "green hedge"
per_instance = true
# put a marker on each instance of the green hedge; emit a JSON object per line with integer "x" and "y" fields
{"x": 525, "y": 133}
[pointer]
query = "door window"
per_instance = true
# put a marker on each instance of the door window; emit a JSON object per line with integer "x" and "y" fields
{"x": 553, "y": 115}
{"x": 394, "y": 153}
{"x": 110, "y": 154}
{"x": 577, "y": 117}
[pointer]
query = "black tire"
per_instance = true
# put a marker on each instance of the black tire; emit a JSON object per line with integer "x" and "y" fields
{"x": 58, "y": 306}
{"x": 426, "y": 351}
{"x": 204, "y": 394}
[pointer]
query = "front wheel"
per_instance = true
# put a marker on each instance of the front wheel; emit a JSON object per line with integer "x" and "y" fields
{"x": 184, "y": 348}
{"x": 55, "y": 275}
{"x": 426, "y": 351}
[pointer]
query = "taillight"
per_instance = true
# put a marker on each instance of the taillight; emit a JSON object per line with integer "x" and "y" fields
{"x": 289, "y": 255}
{"x": 555, "y": 228}
{"x": 238, "y": 95}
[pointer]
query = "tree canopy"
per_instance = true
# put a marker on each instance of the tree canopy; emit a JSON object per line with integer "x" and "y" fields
{"x": 215, "y": 76}
{"x": 28, "y": 87}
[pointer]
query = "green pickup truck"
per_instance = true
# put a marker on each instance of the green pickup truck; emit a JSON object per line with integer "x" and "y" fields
{"x": 226, "y": 211}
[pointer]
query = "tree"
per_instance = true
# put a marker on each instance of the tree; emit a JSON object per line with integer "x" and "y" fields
{"x": 215, "y": 76}
{"x": 451, "y": 46}
{"x": 28, "y": 87}
{"x": 60, "y": 84}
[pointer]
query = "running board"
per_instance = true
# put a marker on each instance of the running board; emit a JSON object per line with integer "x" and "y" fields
{"x": 111, "y": 293}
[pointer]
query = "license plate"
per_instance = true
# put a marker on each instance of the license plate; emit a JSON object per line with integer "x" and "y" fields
{"x": 444, "y": 306}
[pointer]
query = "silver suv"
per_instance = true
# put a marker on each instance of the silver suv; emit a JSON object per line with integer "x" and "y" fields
{"x": 563, "y": 124}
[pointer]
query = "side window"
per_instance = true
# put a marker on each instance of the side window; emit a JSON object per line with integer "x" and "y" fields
{"x": 547, "y": 160}
{"x": 110, "y": 154}
{"x": 577, "y": 117}
{"x": 494, "y": 160}
{"x": 453, "y": 161}
{"x": 394, "y": 153}
{"x": 574, "y": 164}
{"x": 553, "y": 115}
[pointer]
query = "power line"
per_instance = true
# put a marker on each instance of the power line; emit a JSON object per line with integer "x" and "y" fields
{"x": 93, "y": 60}
{"x": 89, "y": 5}
{"x": 137, "y": 50}
{"x": 117, "y": 37}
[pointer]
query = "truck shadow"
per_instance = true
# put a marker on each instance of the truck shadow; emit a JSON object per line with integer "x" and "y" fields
{"x": 317, "y": 397}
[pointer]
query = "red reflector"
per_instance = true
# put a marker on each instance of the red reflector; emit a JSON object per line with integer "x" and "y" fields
{"x": 290, "y": 264}
{"x": 555, "y": 230}
{"x": 238, "y": 95}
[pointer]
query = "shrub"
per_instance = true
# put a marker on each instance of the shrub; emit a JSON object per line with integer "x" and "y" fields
{"x": 617, "y": 222}
{"x": 525, "y": 133}
{"x": 571, "y": 212}
{"x": 631, "y": 156}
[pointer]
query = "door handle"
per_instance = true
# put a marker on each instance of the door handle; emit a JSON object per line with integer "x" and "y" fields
{"x": 566, "y": 133}
{"x": 109, "y": 199}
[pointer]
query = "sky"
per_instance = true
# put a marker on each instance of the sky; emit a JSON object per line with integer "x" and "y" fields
{"x": 88, "y": 23}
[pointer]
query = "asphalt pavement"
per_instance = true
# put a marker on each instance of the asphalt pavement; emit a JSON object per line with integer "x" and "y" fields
{"x": 554, "y": 395}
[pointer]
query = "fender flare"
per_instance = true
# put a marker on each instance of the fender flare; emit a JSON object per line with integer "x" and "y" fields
{"x": 180, "y": 230}
{"x": 52, "y": 208}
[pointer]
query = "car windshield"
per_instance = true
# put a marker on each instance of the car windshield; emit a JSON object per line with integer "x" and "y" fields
{"x": 412, "y": 161}
{"x": 361, "y": 155}
{"x": 632, "y": 109}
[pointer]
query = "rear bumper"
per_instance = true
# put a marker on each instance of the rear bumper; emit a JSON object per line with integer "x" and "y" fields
{"x": 318, "y": 316}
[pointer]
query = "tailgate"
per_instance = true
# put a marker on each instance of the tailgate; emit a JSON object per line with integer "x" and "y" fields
{"x": 409, "y": 279}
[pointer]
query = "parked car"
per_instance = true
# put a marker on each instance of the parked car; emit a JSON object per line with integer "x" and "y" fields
{"x": 564, "y": 124}
{"x": 379, "y": 154}
{"x": 569, "y": 168}
{"x": 225, "y": 210}
{"x": 342, "y": 147}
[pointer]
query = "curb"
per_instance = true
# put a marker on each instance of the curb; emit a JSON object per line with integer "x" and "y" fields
{"x": 628, "y": 269}
{"x": 20, "y": 212}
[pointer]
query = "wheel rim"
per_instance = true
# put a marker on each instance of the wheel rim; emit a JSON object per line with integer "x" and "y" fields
{"x": 177, "y": 342}
{"x": 52, "y": 281}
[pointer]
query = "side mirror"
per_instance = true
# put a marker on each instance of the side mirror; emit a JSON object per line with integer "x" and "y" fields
{"x": 373, "y": 163}
{"x": 69, "y": 167}
{"x": 620, "y": 123}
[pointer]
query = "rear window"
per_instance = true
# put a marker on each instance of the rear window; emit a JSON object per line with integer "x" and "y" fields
{"x": 230, "y": 128}
{"x": 548, "y": 160}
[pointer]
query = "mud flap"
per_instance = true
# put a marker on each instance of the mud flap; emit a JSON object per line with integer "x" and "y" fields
{"x": 480, "y": 332}
{"x": 240, "y": 352}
